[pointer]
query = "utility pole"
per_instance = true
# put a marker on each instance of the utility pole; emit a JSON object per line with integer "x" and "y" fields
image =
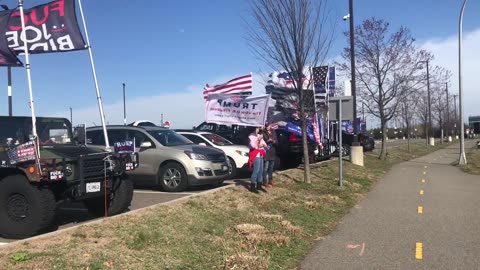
{"x": 71, "y": 116}
{"x": 430, "y": 131}
{"x": 9, "y": 88}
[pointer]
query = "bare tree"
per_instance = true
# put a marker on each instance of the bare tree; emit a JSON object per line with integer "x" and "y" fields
{"x": 385, "y": 62}
{"x": 439, "y": 99}
{"x": 291, "y": 35}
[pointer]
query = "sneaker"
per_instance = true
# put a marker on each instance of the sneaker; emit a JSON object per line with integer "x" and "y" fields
{"x": 270, "y": 183}
{"x": 253, "y": 188}
{"x": 260, "y": 187}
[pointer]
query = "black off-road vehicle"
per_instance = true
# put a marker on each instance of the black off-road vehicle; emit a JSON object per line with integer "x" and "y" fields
{"x": 37, "y": 175}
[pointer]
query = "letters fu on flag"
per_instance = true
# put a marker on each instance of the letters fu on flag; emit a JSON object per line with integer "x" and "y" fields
{"x": 238, "y": 86}
{"x": 237, "y": 110}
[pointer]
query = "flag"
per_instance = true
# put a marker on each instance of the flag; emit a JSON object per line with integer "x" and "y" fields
{"x": 51, "y": 27}
{"x": 331, "y": 81}
{"x": 7, "y": 57}
{"x": 238, "y": 86}
{"x": 320, "y": 84}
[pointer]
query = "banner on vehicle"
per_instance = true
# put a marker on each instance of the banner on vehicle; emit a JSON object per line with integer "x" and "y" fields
{"x": 237, "y": 110}
{"x": 22, "y": 153}
{"x": 50, "y": 27}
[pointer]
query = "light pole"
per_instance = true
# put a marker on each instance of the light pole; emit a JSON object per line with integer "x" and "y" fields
{"x": 463, "y": 158}
{"x": 71, "y": 116}
{"x": 448, "y": 112}
{"x": 352, "y": 64}
{"x": 455, "y": 114}
{"x": 124, "y": 107}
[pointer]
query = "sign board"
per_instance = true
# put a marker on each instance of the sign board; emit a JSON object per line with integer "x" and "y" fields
{"x": 347, "y": 108}
{"x": 166, "y": 124}
{"x": 237, "y": 110}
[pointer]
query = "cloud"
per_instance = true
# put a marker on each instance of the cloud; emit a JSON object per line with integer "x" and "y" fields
{"x": 446, "y": 55}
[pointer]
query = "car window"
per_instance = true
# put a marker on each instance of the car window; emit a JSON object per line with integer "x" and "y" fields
{"x": 223, "y": 128}
{"x": 117, "y": 135}
{"x": 195, "y": 138}
{"x": 139, "y": 137}
{"x": 95, "y": 137}
{"x": 168, "y": 137}
{"x": 216, "y": 140}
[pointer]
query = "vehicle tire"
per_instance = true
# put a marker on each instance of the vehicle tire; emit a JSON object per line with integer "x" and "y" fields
{"x": 277, "y": 164}
{"x": 172, "y": 177}
{"x": 346, "y": 150}
{"x": 26, "y": 209}
{"x": 118, "y": 200}
{"x": 232, "y": 170}
{"x": 290, "y": 163}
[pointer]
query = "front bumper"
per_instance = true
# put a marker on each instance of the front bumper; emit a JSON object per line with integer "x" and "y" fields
{"x": 205, "y": 172}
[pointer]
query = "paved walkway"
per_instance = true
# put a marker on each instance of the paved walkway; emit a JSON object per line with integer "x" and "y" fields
{"x": 424, "y": 214}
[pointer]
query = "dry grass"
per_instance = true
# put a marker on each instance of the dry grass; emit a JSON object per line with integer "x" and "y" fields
{"x": 229, "y": 229}
{"x": 473, "y": 162}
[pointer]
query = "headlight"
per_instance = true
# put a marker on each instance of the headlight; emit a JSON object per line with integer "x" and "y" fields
{"x": 196, "y": 156}
{"x": 241, "y": 153}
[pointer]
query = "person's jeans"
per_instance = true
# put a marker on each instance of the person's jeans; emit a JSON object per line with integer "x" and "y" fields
{"x": 257, "y": 174}
{"x": 268, "y": 170}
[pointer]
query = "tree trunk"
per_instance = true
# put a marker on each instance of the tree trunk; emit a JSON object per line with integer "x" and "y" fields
{"x": 383, "y": 153}
{"x": 306, "y": 158}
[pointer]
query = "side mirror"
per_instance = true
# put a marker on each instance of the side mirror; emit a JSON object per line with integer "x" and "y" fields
{"x": 79, "y": 134}
{"x": 202, "y": 144}
{"x": 146, "y": 145}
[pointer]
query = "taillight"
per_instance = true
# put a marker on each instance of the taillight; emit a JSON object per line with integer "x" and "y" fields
{"x": 292, "y": 137}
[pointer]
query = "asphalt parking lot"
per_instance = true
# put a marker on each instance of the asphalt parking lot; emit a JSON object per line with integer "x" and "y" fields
{"x": 71, "y": 214}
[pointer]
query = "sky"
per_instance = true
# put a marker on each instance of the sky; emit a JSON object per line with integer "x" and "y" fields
{"x": 166, "y": 51}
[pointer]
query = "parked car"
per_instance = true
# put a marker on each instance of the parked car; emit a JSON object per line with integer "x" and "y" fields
{"x": 289, "y": 147}
{"x": 368, "y": 143}
{"x": 167, "y": 158}
{"x": 237, "y": 154}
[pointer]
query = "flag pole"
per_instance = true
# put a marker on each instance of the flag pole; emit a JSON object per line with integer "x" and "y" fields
{"x": 30, "y": 89}
{"x": 99, "y": 98}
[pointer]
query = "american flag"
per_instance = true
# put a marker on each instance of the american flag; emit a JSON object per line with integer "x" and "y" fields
{"x": 320, "y": 84}
{"x": 241, "y": 85}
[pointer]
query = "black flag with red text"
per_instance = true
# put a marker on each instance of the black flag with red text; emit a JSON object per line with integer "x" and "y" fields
{"x": 50, "y": 27}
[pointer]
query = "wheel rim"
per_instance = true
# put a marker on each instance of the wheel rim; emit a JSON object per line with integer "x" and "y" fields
{"x": 172, "y": 177}
{"x": 17, "y": 207}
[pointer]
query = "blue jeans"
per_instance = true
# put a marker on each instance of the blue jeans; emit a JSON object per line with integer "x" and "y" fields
{"x": 257, "y": 174}
{"x": 268, "y": 170}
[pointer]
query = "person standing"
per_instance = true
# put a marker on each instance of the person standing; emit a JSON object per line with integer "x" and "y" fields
{"x": 270, "y": 137}
{"x": 255, "y": 161}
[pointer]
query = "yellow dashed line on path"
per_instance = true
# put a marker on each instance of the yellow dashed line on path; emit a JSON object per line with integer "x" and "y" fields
{"x": 418, "y": 251}
{"x": 423, "y": 181}
{"x": 426, "y": 167}
{"x": 424, "y": 173}
{"x": 421, "y": 192}
{"x": 420, "y": 209}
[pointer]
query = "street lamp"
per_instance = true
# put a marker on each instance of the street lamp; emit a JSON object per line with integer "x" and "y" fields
{"x": 124, "y": 107}
{"x": 463, "y": 158}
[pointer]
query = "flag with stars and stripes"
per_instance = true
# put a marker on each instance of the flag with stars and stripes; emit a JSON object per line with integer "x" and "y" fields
{"x": 320, "y": 84}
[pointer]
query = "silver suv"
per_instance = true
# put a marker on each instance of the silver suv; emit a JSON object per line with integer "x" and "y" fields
{"x": 167, "y": 158}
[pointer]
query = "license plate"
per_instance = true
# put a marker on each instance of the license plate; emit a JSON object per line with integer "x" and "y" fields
{"x": 129, "y": 166}
{"x": 56, "y": 175}
{"x": 93, "y": 187}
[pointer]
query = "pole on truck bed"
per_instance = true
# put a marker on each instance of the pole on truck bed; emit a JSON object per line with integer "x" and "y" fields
{"x": 92, "y": 64}
{"x": 9, "y": 89}
{"x": 30, "y": 88}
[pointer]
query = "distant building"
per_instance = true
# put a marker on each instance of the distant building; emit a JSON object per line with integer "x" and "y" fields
{"x": 474, "y": 124}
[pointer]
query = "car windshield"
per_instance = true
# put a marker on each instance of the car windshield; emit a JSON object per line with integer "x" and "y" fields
{"x": 169, "y": 137}
{"x": 54, "y": 131}
{"x": 217, "y": 140}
